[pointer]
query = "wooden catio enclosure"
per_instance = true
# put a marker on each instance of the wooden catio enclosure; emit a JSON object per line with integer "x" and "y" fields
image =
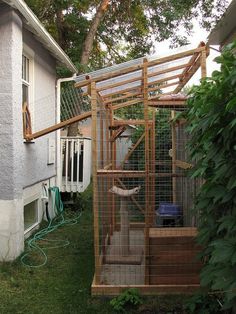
{"x": 144, "y": 232}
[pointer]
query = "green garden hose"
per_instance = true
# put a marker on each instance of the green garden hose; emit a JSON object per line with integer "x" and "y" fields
{"x": 34, "y": 244}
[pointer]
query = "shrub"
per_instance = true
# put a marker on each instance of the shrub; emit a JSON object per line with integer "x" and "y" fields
{"x": 129, "y": 297}
{"x": 211, "y": 119}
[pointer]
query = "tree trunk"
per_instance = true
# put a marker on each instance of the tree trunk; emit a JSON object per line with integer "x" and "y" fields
{"x": 87, "y": 48}
{"x": 59, "y": 23}
{"x": 88, "y": 43}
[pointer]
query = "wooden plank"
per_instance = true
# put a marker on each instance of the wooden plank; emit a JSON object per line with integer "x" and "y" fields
{"x": 130, "y": 152}
{"x": 95, "y": 183}
{"x": 113, "y": 167}
{"x": 187, "y": 76}
{"x": 133, "y": 225}
{"x": 139, "y": 78}
{"x": 170, "y": 232}
{"x": 120, "y": 173}
{"x": 152, "y": 89}
{"x": 112, "y": 100}
{"x": 175, "y": 269}
{"x": 134, "y": 79}
{"x": 187, "y": 279}
{"x": 165, "y": 79}
{"x": 181, "y": 256}
{"x": 170, "y": 289}
{"x": 192, "y": 70}
{"x": 171, "y": 69}
{"x": 134, "y": 68}
{"x": 101, "y": 117}
{"x": 173, "y": 141}
{"x": 117, "y": 133}
{"x": 127, "y": 103}
{"x": 170, "y": 248}
{"x": 192, "y": 61}
{"x": 153, "y": 166}
{"x": 135, "y": 174}
{"x": 168, "y": 104}
{"x": 176, "y": 56}
{"x": 203, "y": 64}
{"x": 130, "y": 122}
{"x": 173, "y": 240}
{"x": 147, "y": 169}
{"x": 123, "y": 91}
{"x": 59, "y": 125}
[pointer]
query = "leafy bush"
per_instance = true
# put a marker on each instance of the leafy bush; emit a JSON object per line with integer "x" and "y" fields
{"x": 84, "y": 200}
{"x": 129, "y": 297}
{"x": 211, "y": 119}
{"x": 203, "y": 304}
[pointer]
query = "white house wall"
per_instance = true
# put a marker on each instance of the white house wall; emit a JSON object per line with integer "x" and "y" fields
{"x": 35, "y": 155}
{"x": 21, "y": 165}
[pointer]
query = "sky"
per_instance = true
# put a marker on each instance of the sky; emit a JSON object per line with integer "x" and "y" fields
{"x": 199, "y": 34}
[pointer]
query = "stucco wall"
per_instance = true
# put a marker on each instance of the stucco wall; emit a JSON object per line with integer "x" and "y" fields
{"x": 44, "y": 105}
{"x": 21, "y": 165}
{"x": 11, "y": 203}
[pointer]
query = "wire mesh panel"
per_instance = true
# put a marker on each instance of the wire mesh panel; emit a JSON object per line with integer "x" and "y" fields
{"x": 144, "y": 210}
{"x": 144, "y": 227}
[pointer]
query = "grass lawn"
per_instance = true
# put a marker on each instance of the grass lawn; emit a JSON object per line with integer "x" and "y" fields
{"x": 63, "y": 284}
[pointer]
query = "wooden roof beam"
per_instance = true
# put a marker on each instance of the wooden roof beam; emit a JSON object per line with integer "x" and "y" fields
{"x": 127, "y": 103}
{"x": 188, "y": 73}
{"x": 127, "y": 95}
{"x": 134, "y": 68}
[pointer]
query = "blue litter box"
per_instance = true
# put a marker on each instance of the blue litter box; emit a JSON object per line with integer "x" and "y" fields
{"x": 168, "y": 209}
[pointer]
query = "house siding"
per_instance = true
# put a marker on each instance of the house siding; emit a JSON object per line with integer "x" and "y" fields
{"x": 23, "y": 166}
{"x": 35, "y": 155}
{"x": 11, "y": 202}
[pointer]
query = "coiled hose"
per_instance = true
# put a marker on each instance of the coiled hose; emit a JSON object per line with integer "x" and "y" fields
{"x": 34, "y": 244}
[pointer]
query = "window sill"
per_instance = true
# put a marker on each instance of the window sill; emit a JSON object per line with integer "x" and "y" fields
{"x": 36, "y": 224}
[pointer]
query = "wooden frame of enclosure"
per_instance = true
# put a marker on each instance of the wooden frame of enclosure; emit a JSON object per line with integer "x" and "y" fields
{"x": 111, "y": 102}
{"x": 111, "y": 129}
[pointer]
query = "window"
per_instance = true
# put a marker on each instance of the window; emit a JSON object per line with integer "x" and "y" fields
{"x": 25, "y": 79}
{"x": 27, "y": 89}
{"x": 31, "y": 215}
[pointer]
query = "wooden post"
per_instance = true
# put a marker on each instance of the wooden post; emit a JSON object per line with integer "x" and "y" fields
{"x": 203, "y": 63}
{"x": 95, "y": 183}
{"x": 153, "y": 163}
{"x": 101, "y": 117}
{"x": 173, "y": 135}
{"x": 113, "y": 162}
{"x": 147, "y": 211}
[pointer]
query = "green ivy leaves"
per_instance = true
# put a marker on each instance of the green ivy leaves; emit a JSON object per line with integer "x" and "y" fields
{"x": 211, "y": 117}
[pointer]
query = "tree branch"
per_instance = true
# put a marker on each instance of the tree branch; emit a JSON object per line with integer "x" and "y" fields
{"x": 88, "y": 43}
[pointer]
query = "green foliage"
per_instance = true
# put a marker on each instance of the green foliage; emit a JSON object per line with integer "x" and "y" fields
{"x": 129, "y": 28}
{"x": 203, "y": 304}
{"x": 84, "y": 200}
{"x": 212, "y": 126}
{"x": 130, "y": 297}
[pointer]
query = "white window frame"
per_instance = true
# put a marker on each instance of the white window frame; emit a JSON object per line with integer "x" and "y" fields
{"x": 34, "y": 198}
{"x": 29, "y": 54}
